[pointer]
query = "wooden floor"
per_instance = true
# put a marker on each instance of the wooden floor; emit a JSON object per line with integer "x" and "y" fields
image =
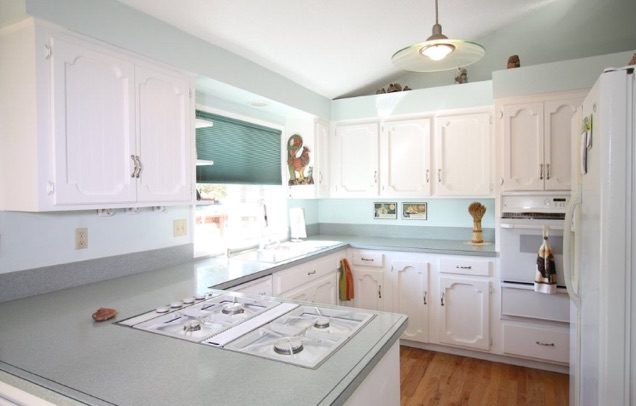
{"x": 435, "y": 378}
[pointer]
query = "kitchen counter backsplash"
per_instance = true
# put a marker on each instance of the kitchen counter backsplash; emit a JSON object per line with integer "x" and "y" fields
{"x": 399, "y": 231}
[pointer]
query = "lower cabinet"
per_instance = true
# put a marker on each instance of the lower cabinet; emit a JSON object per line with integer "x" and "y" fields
{"x": 464, "y": 316}
{"x": 323, "y": 290}
{"x": 409, "y": 294}
{"x": 261, "y": 286}
{"x": 367, "y": 285}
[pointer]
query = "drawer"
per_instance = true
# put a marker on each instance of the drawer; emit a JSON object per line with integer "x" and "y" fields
{"x": 260, "y": 286}
{"x": 467, "y": 266}
{"x": 367, "y": 258}
{"x": 528, "y": 303}
{"x": 304, "y": 273}
{"x": 550, "y": 344}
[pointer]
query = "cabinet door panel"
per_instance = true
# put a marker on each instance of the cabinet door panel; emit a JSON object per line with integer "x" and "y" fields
{"x": 368, "y": 289}
{"x": 523, "y": 147}
{"x": 462, "y": 155}
{"x": 405, "y": 158}
{"x": 356, "y": 166}
{"x": 321, "y": 291}
{"x": 93, "y": 118}
{"x": 558, "y": 116}
{"x": 322, "y": 143}
{"x": 410, "y": 297}
{"x": 465, "y": 305}
{"x": 164, "y": 136}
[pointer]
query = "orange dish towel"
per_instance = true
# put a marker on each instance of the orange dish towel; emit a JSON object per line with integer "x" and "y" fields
{"x": 345, "y": 282}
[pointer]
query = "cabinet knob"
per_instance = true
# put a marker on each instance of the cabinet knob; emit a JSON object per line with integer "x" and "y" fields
{"x": 545, "y": 344}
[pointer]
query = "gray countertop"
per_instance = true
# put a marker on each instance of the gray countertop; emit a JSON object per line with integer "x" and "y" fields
{"x": 50, "y": 339}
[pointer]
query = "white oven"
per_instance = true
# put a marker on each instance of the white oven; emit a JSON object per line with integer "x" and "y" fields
{"x": 523, "y": 217}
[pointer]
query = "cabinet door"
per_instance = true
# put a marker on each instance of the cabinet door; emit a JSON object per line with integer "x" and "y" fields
{"x": 261, "y": 286}
{"x": 367, "y": 288}
{"x": 356, "y": 160}
{"x": 94, "y": 135}
{"x": 462, "y": 155}
{"x": 409, "y": 292}
{"x": 523, "y": 146}
{"x": 322, "y": 144}
{"x": 464, "y": 317}
{"x": 405, "y": 159}
{"x": 558, "y": 116}
{"x": 165, "y": 134}
{"x": 323, "y": 291}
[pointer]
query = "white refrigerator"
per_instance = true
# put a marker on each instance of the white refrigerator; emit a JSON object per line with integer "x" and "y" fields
{"x": 598, "y": 244}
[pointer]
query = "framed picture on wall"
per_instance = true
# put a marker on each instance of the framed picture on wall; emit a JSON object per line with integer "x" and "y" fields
{"x": 414, "y": 210}
{"x": 385, "y": 210}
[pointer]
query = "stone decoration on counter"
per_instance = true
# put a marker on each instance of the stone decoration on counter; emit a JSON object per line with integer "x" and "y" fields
{"x": 392, "y": 88}
{"x": 513, "y": 62}
{"x": 462, "y": 76}
{"x": 298, "y": 159}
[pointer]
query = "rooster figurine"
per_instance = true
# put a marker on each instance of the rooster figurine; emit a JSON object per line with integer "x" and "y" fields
{"x": 300, "y": 173}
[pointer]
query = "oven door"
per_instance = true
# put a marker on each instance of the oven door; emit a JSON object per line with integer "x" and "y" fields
{"x": 520, "y": 242}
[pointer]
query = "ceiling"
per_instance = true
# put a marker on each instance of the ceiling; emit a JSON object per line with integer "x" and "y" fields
{"x": 331, "y": 47}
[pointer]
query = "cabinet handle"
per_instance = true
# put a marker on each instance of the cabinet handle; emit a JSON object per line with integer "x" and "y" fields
{"x": 547, "y": 171}
{"x": 311, "y": 273}
{"x": 428, "y": 175}
{"x": 375, "y": 177}
{"x": 320, "y": 177}
{"x": 379, "y": 291}
{"x": 141, "y": 167}
{"x": 366, "y": 259}
{"x": 545, "y": 344}
{"x": 425, "y": 293}
{"x": 439, "y": 175}
{"x": 442, "y": 298}
{"x": 134, "y": 172}
{"x": 541, "y": 171}
{"x": 463, "y": 267}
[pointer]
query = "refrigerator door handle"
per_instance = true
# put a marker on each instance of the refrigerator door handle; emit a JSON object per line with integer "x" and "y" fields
{"x": 569, "y": 230}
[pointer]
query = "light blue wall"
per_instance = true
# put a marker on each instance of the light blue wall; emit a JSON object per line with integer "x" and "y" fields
{"x": 12, "y": 11}
{"x": 441, "y": 212}
{"x": 122, "y": 26}
{"x": 310, "y": 206}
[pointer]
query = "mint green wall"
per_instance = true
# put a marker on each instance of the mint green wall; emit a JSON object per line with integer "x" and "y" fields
{"x": 441, "y": 212}
{"x": 122, "y": 26}
{"x": 12, "y": 11}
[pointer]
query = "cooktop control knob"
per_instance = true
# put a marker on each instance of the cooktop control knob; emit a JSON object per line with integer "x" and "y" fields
{"x": 176, "y": 305}
{"x": 188, "y": 300}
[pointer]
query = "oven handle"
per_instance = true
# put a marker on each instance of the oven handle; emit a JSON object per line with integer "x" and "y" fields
{"x": 529, "y": 226}
{"x": 569, "y": 233}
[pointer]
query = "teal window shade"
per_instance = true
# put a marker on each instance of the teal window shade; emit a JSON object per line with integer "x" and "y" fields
{"x": 243, "y": 153}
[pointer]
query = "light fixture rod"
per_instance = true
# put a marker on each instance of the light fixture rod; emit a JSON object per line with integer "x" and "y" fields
{"x": 436, "y": 13}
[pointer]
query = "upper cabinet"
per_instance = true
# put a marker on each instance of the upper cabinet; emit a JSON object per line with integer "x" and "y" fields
{"x": 402, "y": 163}
{"x": 314, "y": 181}
{"x": 405, "y": 158}
{"x": 112, "y": 130}
{"x": 536, "y": 138}
{"x": 463, "y": 155}
{"x": 355, "y": 160}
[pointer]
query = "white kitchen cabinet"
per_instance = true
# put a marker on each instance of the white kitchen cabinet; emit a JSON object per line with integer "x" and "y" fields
{"x": 536, "y": 135}
{"x": 315, "y": 135}
{"x": 408, "y": 287}
{"x": 323, "y": 290}
{"x": 321, "y": 131}
{"x": 464, "y": 312}
{"x": 164, "y": 135}
{"x": 463, "y": 155}
{"x": 368, "y": 285}
{"x": 405, "y": 158}
{"x": 355, "y": 160}
{"x": 92, "y": 126}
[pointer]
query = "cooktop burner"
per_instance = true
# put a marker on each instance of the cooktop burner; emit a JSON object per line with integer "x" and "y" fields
{"x": 305, "y": 336}
{"x": 202, "y": 318}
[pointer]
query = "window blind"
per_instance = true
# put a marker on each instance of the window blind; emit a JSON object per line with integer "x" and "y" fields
{"x": 243, "y": 153}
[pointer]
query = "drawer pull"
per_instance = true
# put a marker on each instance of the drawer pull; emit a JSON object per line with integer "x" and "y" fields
{"x": 367, "y": 259}
{"x": 463, "y": 267}
{"x": 311, "y": 273}
{"x": 545, "y": 344}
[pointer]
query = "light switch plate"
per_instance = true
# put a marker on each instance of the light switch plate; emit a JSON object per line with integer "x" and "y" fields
{"x": 81, "y": 238}
{"x": 179, "y": 227}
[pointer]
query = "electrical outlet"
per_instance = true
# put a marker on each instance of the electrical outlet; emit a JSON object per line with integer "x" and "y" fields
{"x": 81, "y": 238}
{"x": 179, "y": 227}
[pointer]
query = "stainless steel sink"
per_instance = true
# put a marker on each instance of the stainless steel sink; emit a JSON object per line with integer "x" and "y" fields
{"x": 284, "y": 251}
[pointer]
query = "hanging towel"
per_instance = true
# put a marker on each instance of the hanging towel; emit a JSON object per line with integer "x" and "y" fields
{"x": 345, "y": 282}
{"x": 545, "y": 278}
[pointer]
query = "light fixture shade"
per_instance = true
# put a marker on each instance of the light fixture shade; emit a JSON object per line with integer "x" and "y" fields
{"x": 412, "y": 59}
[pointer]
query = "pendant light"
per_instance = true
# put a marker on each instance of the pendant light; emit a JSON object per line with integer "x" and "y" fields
{"x": 438, "y": 52}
